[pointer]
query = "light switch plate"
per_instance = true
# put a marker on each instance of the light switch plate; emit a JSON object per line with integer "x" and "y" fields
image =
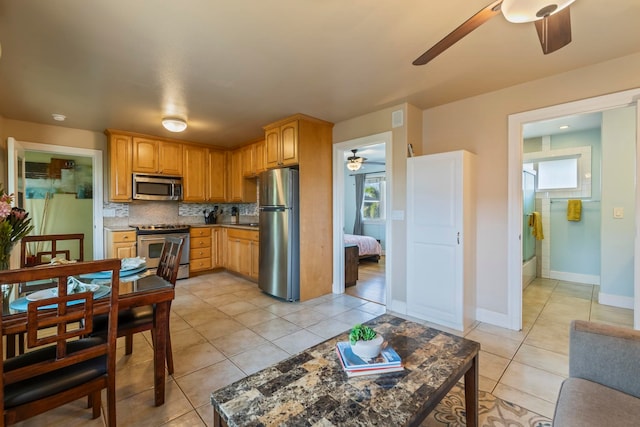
{"x": 618, "y": 213}
{"x": 108, "y": 212}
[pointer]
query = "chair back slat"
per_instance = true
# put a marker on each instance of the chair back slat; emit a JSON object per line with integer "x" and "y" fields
{"x": 170, "y": 259}
{"x": 82, "y": 313}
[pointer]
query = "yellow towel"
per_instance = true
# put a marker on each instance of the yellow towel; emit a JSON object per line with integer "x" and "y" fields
{"x": 574, "y": 210}
{"x": 535, "y": 222}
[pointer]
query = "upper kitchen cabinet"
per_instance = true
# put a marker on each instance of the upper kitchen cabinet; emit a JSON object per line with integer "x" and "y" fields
{"x": 281, "y": 144}
{"x": 194, "y": 188}
{"x": 261, "y": 159}
{"x": 154, "y": 156}
{"x": 241, "y": 189}
{"x": 216, "y": 174}
{"x": 253, "y": 159}
{"x": 120, "y": 184}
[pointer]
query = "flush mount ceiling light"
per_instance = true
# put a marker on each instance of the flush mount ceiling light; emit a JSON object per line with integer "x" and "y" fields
{"x": 531, "y": 10}
{"x": 58, "y": 117}
{"x": 173, "y": 124}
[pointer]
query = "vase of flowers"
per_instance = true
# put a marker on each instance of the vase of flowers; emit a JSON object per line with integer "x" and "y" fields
{"x": 14, "y": 225}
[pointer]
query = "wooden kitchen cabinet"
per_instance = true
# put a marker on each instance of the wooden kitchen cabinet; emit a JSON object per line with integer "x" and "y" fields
{"x": 194, "y": 180}
{"x": 241, "y": 189}
{"x": 248, "y": 161}
{"x": 253, "y": 159}
{"x": 307, "y": 141}
{"x": 200, "y": 255}
{"x": 255, "y": 258}
{"x": 120, "y": 244}
{"x": 281, "y": 144}
{"x": 242, "y": 252}
{"x": 261, "y": 161}
{"x": 217, "y": 248}
{"x": 120, "y": 167}
{"x": 155, "y": 156}
{"x": 216, "y": 175}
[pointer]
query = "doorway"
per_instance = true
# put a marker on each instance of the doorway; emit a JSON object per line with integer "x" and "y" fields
{"x": 345, "y": 207}
{"x": 61, "y": 187}
{"x": 517, "y": 123}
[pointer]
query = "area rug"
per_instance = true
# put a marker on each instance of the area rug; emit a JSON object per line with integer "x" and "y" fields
{"x": 493, "y": 412}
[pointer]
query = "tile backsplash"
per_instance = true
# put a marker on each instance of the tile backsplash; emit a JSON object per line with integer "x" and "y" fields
{"x": 147, "y": 212}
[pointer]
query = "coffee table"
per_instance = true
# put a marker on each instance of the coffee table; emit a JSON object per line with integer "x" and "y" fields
{"x": 311, "y": 387}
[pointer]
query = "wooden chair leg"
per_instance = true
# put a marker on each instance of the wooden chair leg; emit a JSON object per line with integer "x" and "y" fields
{"x": 95, "y": 398}
{"x": 169, "y": 354}
{"x": 11, "y": 345}
{"x": 21, "y": 340}
{"x": 128, "y": 344}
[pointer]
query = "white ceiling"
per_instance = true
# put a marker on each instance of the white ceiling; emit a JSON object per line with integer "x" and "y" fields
{"x": 231, "y": 67}
{"x": 574, "y": 123}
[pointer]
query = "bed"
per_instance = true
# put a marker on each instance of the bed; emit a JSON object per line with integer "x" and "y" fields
{"x": 368, "y": 247}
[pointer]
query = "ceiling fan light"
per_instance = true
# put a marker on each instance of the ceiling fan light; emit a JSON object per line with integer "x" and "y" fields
{"x": 173, "y": 124}
{"x": 519, "y": 11}
{"x": 353, "y": 165}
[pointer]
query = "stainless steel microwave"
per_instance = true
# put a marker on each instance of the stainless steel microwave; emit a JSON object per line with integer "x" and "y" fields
{"x": 157, "y": 187}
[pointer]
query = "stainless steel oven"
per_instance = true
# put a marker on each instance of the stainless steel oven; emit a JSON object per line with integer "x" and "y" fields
{"x": 150, "y": 240}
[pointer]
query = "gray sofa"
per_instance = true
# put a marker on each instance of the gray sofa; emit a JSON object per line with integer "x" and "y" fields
{"x": 603, "y": 388}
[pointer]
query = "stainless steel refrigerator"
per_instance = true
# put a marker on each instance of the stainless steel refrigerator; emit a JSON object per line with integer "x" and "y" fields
{"x": 279, "y": 234}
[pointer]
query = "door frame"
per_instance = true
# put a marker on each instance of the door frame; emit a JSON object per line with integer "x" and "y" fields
{"x": 514, "y": 198}
{"x": 339, "y": 150}
{"x": 96, "y": 164}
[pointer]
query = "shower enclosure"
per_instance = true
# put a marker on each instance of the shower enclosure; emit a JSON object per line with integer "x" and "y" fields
{"x": 528, "y": 240}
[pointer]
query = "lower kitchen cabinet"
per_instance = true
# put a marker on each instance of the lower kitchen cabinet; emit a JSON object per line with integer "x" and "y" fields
{"x": 200, "y": 258}
{"x": 242, "y": 252}
{"x": 120, "y": 244}
{"x": 235, "y": 249}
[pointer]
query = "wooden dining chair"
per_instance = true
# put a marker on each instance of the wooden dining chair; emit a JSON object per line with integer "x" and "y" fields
{"x": 64, "y": 366}
{"x": 52, "y": 245}
{"x": 41, "y": 249}
{"x": 140, "y": 319}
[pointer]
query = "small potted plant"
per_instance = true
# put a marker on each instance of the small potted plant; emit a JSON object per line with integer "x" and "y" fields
{"x": 365, "y": 342}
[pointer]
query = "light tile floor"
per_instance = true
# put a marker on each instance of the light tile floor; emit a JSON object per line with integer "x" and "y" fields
{"x": 223, "y": 328}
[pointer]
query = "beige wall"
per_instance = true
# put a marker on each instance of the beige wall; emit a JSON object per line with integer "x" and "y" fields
{"x": 47, "y": 134}
{"x": 378, "y": 122}
{"x": 479, "y": 124}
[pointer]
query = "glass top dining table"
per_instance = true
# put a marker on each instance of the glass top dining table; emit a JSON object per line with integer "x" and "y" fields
{"x": 139, "y": 289}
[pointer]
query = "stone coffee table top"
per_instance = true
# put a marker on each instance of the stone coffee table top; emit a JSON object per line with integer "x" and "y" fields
{"x": 311, "y": 387}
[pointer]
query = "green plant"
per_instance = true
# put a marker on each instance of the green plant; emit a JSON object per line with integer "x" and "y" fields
{"x": 361, "y": 333}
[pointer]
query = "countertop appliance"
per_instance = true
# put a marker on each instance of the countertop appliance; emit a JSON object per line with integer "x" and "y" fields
{"x": 279, "y": 270}
{"x": 150, "y": 239}
{"x": 157, "y": 187}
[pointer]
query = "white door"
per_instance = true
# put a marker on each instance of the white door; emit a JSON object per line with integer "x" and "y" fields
{"x": 435, "y": 238}
{"x": 16, "y": 168}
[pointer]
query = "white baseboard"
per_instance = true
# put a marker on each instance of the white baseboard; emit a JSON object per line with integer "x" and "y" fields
{"x": 589, "y": 279}
{"x": 398, "y": 306}
{"x": 492, "y": 318}
{"x": 615, "y": 300}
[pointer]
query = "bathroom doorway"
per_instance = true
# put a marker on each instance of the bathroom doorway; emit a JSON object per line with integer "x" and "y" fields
{"x": 517, "y": 123}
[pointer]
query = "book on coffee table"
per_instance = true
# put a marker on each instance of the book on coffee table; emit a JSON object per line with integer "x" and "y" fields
{"x": 387, "y": 361}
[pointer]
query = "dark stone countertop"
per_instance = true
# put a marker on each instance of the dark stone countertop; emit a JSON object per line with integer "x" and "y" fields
{"x": 311, "y": 387}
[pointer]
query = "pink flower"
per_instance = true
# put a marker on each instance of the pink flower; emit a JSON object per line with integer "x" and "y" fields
{"x": 5, "y": 208}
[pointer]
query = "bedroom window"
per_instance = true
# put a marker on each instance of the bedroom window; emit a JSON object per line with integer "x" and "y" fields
{"x": 373, "y": 204}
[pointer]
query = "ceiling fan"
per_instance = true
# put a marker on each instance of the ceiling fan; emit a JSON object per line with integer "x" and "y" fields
{"x": 552, "y": 21}
{"x": 355, "y": 162}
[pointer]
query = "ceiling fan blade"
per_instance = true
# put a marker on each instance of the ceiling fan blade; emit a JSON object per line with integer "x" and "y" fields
{"x": 468, "y": 26}
{"x": 554, "y": 31}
